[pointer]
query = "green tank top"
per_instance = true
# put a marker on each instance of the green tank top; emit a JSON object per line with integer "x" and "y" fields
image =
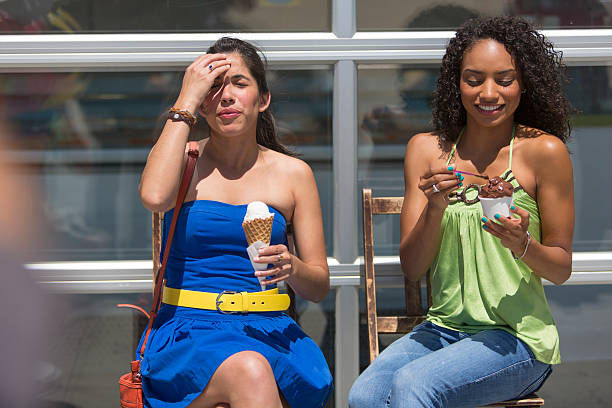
{"x": 477, "y": 285}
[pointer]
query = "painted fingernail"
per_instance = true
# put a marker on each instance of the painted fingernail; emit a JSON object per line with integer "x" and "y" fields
{"x": 497, "y": 216}
{"x": 458, "y": 175}
{"x": 461, "y": 178}
{"x": 484, "y": 219}
{"x": 512, "y": 207}
{"x": 450, "y": 168}
{"x": 484, "y": 227}
{"x": 460, "y": 184}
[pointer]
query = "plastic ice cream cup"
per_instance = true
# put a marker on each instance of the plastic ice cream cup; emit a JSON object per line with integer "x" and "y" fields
{"x": 492, "y": 206}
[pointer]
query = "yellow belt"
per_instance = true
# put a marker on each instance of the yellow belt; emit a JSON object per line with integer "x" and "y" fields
{"x": 227, "y": 301}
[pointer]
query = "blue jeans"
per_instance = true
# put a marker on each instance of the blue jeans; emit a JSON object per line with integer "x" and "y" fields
{"x": 436, "y": 367}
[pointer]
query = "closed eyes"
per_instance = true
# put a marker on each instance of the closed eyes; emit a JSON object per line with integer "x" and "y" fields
{"x": 504, "y": 83}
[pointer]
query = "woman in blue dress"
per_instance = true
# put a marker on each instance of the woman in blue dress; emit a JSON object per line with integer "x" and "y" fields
{"x": 202, "y": 356}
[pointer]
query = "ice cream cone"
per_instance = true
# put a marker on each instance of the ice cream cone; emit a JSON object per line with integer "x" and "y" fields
{"x": 258, "y": 229}
{"x": 257, "y": 226}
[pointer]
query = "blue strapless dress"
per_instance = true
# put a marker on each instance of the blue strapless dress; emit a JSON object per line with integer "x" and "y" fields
{"x": 186, "y": 345}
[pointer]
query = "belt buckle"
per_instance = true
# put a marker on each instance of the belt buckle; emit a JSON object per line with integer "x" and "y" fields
{"x": 218, "y": 302}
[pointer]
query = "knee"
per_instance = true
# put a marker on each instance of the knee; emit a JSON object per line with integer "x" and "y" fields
{"x": 363, "y": 394}
{"x": 252, "y": 368}
{"x": 357, "y": 398}
{"x": 413, "y": 387}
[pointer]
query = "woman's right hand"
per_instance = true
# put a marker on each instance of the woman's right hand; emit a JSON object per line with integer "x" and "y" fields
{"x": 437, "y": 184}
{"x": 199, "y": 78}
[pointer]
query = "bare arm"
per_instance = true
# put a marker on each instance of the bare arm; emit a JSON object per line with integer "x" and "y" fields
{"x": 423, "y": 207}
{"x": 552, "y": 258}
{"x": 308, "y": 275}
{"x": 162, "y": 173}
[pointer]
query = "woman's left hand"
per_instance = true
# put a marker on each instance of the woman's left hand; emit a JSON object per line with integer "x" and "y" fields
{"x": 511, "y": 231}
{"x": 282, "y": 261}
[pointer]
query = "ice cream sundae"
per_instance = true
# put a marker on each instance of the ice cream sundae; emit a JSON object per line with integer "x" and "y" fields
{"x": 496, "y": 197}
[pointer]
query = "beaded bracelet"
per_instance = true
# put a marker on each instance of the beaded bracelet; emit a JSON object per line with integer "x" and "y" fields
{"x": 526, "y": 246}
{"x": 176, "y": 115}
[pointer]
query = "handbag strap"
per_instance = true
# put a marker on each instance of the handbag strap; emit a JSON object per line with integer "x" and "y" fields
{"x": 192, "y": 156}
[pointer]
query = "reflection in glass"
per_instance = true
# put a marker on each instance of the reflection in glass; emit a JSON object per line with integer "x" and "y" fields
{"x": 395, "y": 103}
{"x": 448, "y": 15}
{"x": 158, "y": 16}
{"x": 82, "y": 140}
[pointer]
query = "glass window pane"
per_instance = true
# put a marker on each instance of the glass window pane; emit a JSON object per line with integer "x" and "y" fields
{"x": 160, "y": 16}
{"x": 448, "y": 15}
{"x": 394, "y": 102}
{"x": 83, "y": 139}
{"x": 590, "y": 91}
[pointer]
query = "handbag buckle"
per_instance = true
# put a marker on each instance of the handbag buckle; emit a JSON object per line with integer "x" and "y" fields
{"x": 219, "y": 301}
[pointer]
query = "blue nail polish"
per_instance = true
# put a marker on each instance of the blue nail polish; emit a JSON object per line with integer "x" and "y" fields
{"x": 484, "y": 227}
{"x": 484, "y": 219}
{"x": 460, "y": 184}
{"x": 458, "y": 174}
{"x": 497, "y": 216}
{"x": 450, "y": 168}
{"x": 461, "y": 178}
{"x": 512, "y": 207}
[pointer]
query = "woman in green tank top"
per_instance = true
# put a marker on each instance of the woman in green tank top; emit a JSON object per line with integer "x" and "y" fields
{"x": 499, "y": 110}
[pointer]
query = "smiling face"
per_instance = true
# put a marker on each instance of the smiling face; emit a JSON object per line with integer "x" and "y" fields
{"x": 490, "y": 84}
{"x": 234, "y": 103}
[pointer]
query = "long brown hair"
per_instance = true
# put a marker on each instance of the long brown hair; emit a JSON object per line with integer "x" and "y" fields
{"x": 266, "y": 126}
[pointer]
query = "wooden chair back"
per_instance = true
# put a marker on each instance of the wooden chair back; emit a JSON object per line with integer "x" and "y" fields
{"x": 415, "y": 312}
{"x": 156, "y": 231}
{"x": 414, "y": 309}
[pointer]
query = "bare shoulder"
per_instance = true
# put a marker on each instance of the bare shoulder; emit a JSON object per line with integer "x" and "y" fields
{"x": 542, "y": 147}
{"x": 424, "y": 147}
{"x": 292, "y": 167}
{"x": 427, "y": 141}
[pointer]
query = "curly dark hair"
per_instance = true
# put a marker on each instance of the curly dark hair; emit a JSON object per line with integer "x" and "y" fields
{"x": 543, "y": 105}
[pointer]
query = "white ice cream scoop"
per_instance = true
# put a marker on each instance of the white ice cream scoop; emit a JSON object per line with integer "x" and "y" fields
{"x": 256, "y": 209}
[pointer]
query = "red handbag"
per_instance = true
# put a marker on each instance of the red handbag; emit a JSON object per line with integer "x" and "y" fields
{"x": 130, "y": 384}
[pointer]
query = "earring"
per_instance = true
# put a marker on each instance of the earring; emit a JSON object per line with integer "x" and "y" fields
{"x": 524, "y": 90}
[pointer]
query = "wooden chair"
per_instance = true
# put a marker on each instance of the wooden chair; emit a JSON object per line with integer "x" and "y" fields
{"x": 157, "y": 243}
{"x": 414, "y": 309}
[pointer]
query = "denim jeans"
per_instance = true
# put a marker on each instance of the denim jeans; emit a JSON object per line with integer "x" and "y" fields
{"x": 436, "y": 367}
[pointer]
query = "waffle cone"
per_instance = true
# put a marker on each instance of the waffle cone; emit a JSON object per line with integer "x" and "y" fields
{"x": 258, "y": 229}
